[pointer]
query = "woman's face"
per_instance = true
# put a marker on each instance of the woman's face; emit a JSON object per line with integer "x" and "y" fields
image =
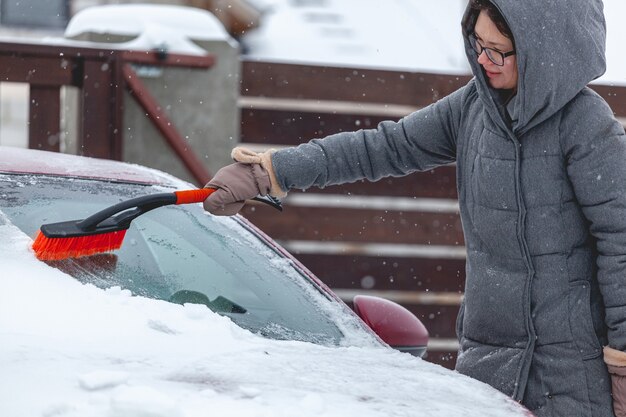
{"x": 487, "y": 33}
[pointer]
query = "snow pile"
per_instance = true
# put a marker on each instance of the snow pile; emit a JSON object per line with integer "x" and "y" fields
{"x": 70, "y": 349}
{"x": 133, "y": 19}
{"x": 172, "y": 28}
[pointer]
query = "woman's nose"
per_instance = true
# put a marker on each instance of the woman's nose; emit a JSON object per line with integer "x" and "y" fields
{"x": 482, "y": 58}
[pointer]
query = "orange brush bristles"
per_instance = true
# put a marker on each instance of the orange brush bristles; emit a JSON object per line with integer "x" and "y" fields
{"x": 57, "y": 248}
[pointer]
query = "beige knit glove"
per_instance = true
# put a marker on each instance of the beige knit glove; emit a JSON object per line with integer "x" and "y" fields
{"x": 616, "y": 362}
{"x": 264, "y": 159}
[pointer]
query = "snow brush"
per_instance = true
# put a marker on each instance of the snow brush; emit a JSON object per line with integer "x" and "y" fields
{"x": 104, "y": 231}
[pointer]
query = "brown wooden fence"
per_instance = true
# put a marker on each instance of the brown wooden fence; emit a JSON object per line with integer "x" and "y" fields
{"x": 399, "y": 238}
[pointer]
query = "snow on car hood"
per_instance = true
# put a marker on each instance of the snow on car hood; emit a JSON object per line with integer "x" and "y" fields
{"x": 70, "y": 349}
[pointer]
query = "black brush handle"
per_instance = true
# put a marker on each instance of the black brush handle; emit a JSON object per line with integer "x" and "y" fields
{"x": 120, "y": 215}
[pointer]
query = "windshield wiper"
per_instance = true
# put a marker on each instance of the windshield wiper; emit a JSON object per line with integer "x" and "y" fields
{"x": 218, "y": 305}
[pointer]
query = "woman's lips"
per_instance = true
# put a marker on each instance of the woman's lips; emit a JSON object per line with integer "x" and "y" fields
{"x": 491, "y": 74}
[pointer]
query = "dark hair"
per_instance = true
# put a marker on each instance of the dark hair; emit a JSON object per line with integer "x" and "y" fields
{"x": 494, "y": 14}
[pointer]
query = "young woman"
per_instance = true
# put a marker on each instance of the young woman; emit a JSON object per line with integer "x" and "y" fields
{"x": 541, "y": 177}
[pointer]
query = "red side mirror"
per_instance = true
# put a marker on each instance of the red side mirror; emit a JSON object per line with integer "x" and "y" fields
{"x": 394, "y": 324}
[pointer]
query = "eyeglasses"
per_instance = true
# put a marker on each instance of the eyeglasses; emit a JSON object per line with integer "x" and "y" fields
{"x": 494, "y": 55}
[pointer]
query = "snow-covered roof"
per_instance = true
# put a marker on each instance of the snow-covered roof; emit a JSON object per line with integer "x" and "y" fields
{"x": 416, "y": 35}
{"x": 151, "y": 26}
{"x": 133, "y": 19}
{"x": 401, "y": 35}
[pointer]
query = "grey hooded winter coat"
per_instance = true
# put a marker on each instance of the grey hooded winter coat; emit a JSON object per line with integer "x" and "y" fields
{"x": 542, "y": 203}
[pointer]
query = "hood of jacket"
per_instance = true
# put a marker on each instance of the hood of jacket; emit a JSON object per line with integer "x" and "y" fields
{"x": 560, "y": 48}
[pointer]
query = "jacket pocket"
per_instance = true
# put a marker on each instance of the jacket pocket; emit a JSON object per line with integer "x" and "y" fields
{"x": 580, "y": 320}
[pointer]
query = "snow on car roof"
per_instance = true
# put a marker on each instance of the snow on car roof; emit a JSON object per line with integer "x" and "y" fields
{"x": 30, "y": 161}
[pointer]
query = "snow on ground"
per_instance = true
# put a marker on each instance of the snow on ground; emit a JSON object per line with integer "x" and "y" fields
{"x": 71, "y": 350}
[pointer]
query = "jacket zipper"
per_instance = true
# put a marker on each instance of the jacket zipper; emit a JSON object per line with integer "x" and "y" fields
{"x": 520, "y": 388}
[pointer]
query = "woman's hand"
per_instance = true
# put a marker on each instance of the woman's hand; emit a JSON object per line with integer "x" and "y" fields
{"x": 236, "y": 183}
{"x": 250, "y": 176}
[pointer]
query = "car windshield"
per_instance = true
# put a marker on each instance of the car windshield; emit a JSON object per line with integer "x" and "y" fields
{"x": 183, "y": 255}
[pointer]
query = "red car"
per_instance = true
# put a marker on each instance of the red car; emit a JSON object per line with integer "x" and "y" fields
{"x": 183, "y": 255}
